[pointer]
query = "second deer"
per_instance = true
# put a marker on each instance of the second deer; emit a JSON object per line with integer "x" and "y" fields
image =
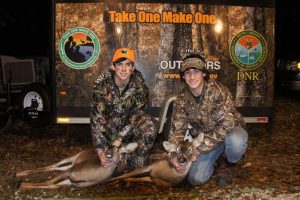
{"x": 162, "y": 172}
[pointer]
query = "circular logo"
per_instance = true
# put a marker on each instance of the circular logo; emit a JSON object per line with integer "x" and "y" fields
{"x": 79, "y": 48}
{"x": 248, "y": 50}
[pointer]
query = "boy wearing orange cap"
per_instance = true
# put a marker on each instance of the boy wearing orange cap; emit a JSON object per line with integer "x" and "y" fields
{"x": 118, "y": 113}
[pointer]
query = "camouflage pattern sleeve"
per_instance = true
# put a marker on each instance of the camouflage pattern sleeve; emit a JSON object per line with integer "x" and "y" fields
{"x": 224, "y": 118}
{"x": 125, "y": 132}
{"x": 98, "y": 119}
{"x": 179, "y": 122}
{"x": 141, "y": 103}
{"x": 138, "y": 108}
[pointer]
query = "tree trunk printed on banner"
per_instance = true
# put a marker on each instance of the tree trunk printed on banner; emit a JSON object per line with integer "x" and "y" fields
{"x": 216, "y": 44}
{"x": 199, "y": 40}
{"x": 219, "y": 36}
{"x": 227, "y": 71}
{"x": 182, "y": 42}
{"x": 209, "y": 35}
{"x": 258, "y": 87}
{"x": 132, "y": 37}
{"x": 241, "y": 90}
{"x": 112, "y": 38}
{"x": 165, "y": 54}
{"x": 129, "y": 31}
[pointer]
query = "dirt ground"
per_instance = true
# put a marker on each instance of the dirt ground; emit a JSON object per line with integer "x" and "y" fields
{"x": 270, "y": 169}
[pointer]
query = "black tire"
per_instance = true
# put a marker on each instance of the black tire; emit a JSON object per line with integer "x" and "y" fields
{"x": 35, "y": 105}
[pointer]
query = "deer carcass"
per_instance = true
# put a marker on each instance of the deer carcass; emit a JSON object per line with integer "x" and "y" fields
{"x": 82, "y": 170}
{"x": 162, "y": 172}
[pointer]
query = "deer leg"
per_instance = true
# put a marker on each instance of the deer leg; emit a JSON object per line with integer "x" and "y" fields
{"x": 57, "y": 182}
{"x": 148, "y": 179}
{"x": 136, "y": 172}
{"x": 60, "y": 166}
{"x": 28, "y": 186}
{"x": 140, "y": 179}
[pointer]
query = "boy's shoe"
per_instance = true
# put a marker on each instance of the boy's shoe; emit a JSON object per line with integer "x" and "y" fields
{"x": 224, "y": 179}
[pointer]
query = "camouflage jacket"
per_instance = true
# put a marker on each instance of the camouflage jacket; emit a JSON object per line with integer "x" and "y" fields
{"x": 215, "y": 115}
{"x": 113, "y": 113}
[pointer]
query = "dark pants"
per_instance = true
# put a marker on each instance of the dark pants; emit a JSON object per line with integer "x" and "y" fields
{"x": 144, "y": 133}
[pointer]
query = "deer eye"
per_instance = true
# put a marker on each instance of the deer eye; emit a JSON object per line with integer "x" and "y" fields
{"x": 191, "y": 150}
{"x": 177, "y": 149}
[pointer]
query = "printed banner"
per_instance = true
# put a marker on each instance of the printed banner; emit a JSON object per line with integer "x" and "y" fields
{"x": 237, "y": 42}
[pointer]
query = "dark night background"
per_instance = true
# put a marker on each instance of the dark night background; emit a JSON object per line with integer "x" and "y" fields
{"x": 25, "y": 28}
{"x": 287, "y": 29}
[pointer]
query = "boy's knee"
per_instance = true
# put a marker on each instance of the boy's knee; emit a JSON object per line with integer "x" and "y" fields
{"x": 200, "y": 173}
{"x": 236, "y": 144}
{"x": 237, "y": 137}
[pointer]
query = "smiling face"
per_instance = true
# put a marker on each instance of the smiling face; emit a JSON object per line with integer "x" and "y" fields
{"x": 123, "y": 71}
{"x": 194, "y": 78}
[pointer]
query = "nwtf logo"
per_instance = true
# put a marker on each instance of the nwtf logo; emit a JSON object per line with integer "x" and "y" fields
{"x": 79, "y": 48}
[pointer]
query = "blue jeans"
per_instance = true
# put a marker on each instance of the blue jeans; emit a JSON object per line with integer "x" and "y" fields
{"x": 234, "y": 145}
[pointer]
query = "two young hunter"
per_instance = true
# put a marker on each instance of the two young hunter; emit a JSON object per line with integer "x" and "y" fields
{"x": 118, "y": 115}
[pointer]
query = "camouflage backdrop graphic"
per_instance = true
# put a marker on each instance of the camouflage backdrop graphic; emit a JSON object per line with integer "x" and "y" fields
{"x": 161, "y": 35}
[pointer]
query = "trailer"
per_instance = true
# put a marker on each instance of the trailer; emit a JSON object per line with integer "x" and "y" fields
{"x": 237, "y": 39}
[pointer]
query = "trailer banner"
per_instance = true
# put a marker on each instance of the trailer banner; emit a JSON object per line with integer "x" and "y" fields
{"x": 238, "y": 43}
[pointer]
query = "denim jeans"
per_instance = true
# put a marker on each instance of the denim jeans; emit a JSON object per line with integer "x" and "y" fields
{"x": 234, "y": 145}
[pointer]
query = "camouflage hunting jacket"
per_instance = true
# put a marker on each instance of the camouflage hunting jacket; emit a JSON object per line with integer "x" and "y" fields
{"x": 113, "y": 113}
{"x": 215, "y": 115}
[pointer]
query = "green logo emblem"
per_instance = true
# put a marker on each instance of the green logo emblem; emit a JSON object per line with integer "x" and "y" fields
{"x": 79, "y": 48}
{"x": 248, "y": 50}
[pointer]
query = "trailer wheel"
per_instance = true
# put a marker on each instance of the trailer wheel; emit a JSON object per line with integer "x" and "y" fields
{"x": 35, "y": 105}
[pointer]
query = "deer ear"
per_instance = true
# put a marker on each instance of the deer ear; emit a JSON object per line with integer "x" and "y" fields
{"x": 129, "y": 147}
{"x": 169, "y": 147}
{"x": 197, "y": 141}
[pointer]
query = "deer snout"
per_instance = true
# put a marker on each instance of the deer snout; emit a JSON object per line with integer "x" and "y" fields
{"x": 182, "y": 159}
{"x": 109, "y": 154}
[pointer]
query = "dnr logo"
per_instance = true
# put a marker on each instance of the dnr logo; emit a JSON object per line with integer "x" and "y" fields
{"x": 79, "y": 48}
{"x": 248, "y": 50}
